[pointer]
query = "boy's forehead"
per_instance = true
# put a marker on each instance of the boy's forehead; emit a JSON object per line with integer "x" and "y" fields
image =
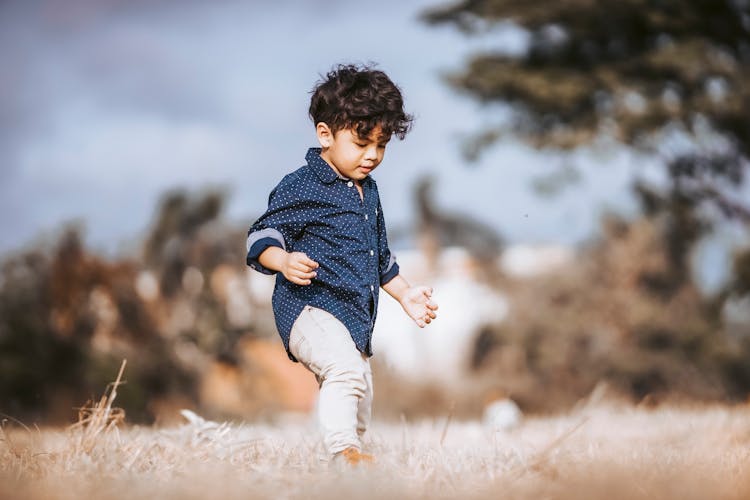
{"x": 376, "y": 134}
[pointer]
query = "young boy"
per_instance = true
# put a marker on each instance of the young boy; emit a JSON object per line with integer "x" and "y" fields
{"x": 324, "y": 233}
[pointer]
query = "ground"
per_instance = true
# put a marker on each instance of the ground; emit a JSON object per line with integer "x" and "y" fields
{"x": 613, "y": 451}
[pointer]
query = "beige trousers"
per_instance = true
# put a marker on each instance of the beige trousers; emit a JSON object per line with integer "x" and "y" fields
{"x": 323, "y": 344}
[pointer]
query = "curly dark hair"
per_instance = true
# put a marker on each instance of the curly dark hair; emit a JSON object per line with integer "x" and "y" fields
{"x": 361, "y": 98}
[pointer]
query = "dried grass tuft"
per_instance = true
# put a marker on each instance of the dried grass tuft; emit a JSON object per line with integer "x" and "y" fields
{"x": 95, "y": 420}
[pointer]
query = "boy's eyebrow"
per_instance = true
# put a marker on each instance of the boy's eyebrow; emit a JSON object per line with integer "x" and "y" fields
{"x": 379, "y": 140}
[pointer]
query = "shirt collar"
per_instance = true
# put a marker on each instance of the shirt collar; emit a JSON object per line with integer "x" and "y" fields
{"x": 322, "y": 169}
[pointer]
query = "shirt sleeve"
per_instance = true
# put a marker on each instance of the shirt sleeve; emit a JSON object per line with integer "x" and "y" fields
{"x": 279, "y": 226}
{"x": 387, "y": 261}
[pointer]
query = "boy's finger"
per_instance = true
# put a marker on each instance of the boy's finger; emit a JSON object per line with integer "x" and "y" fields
{"x": 302, "y": 271}
{"x": 304, "y": 268}
{"x": 432, "y": 305}
{"x": 308, "y": 261}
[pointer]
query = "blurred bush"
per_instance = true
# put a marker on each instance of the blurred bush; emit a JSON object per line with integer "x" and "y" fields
{"x": 621, "y": 316}
{"x": 68, "y": 317}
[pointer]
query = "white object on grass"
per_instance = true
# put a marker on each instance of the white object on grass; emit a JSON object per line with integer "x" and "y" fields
{"x": 502, "y": 415}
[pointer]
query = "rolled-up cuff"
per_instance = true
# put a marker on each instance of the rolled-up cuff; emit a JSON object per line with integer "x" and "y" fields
{"x": 269, "y": 232}
{"x": 258, "y": 242}
{"x": 390, "y": 273}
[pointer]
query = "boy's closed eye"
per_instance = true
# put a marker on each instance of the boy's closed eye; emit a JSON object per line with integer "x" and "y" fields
{"x": 365, "y": 143}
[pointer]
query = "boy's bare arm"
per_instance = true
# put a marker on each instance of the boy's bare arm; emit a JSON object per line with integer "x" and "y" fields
{"x": 295, "y": 266}
{"x": 416, "y": 300}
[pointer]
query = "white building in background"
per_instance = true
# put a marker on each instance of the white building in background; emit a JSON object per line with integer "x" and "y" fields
{"x": 442, "y": 351}
{"x": 526, "y": 261}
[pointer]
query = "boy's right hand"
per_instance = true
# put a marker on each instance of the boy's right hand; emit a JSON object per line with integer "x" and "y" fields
{"x": 299, "y": 268}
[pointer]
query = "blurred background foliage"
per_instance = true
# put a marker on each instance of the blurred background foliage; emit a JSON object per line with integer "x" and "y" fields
{"x": 614, "y": 315}
{"x": 639, "y": 72}
{"x": 625, "y": 314}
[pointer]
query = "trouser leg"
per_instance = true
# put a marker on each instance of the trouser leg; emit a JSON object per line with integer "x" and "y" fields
{"x": 323, "y": 344}
{"x": 364, "y": 409}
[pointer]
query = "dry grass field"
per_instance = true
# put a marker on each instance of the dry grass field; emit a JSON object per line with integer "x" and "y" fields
{"x": 604, "y": 450}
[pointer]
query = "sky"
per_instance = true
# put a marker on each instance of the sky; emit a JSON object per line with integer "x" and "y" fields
{"x": 107, "y": 104}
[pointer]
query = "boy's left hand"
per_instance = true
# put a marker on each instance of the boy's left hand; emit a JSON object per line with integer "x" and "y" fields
{"x": 418, "y": 304}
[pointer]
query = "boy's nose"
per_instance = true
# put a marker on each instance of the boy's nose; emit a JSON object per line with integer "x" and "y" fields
{"x": 371, "y": 153}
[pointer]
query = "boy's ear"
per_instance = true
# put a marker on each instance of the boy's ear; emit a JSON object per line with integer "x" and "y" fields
{"x": 325, "y": 136}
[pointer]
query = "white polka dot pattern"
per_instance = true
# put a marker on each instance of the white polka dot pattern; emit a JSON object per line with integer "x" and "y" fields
{"x": 313, "y": 210}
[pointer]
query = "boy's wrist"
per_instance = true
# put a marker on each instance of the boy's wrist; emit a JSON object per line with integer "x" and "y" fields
{"x": 397, "y": 288}
{"x": 274, "y": 258}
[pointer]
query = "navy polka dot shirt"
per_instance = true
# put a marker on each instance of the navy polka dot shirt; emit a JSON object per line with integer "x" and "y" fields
{"x": 313, "y": 210}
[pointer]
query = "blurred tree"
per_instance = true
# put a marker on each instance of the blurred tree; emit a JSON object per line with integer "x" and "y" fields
{"x": 741, "y": 273}
{"x": 439, "y": 228}
{"x": 179, "y": 220}
{"x": 639, "y": 71}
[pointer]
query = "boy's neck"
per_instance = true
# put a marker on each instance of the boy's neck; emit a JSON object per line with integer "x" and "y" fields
{"x": 330, "y": 164}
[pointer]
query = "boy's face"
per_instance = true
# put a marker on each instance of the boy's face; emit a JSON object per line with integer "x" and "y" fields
{"x": 350, "y": 155}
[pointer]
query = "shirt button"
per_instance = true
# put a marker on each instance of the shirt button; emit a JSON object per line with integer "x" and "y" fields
{"x": 372, "y": 252}
{"x": 365, "y": 216}
{"x": 350, "y": 183}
